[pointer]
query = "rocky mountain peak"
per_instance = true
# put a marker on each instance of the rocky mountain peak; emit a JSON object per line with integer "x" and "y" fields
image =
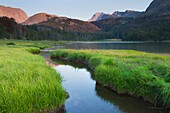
{"x": 37, "y": 18}
{"x": 16, "y": 13}
{"x": 99, "y": 16}
{"x": 116, "y": 14}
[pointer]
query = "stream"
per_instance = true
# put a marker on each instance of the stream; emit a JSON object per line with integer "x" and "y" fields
{"x": 86, "y": 96}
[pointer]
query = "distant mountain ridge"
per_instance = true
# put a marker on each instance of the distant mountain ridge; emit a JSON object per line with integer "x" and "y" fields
{"x": 127, "y": 14}
{"x": 62, "y": 23}
{"x": 62, "y": 28}
{"x": 38, "y": 18}
{"x": 152, "y": 25}
{"x": 18, "y": 14}
{"x": 99, "y": 16}
{"x": 116, "y": 14}
{"x": 68, "y": 24}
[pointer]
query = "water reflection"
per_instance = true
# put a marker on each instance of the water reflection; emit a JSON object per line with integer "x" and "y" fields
{"x": 153, "y": 47}
{"x": 126, "y": 103}
{"x": 88, "y": 97}
{"x": 81, "y": 89}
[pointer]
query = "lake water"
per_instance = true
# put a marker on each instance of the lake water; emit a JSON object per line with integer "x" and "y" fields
{"x": 152, "y": 47}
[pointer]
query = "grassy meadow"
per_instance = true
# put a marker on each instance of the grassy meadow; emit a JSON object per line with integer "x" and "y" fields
{"x": 129, "y": 72}
{"x": 27, "y": 83}
{"x": 28, "y": 43}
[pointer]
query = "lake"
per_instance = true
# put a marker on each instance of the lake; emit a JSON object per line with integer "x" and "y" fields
{"x": 152, "y": 47}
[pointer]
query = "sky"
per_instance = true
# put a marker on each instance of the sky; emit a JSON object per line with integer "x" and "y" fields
{"x": 79, "y": 9}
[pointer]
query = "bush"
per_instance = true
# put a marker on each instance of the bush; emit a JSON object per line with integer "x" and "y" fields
{"x": 10, "y": 43}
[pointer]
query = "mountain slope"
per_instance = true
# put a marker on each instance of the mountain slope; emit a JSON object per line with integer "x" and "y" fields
{"x": 62, "y": 23}
{"x": 16, "y": 13}
{"x": 152, "y": 25}
{"x": 37, "y": 18}
{"x": 9, "y": 29}
{"x": 139, "y": 29}
{"x": 67, "y": 24}
{"x": 158, "y": 8}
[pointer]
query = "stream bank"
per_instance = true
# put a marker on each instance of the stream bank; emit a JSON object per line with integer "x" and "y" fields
{"x": 86, "y": 94}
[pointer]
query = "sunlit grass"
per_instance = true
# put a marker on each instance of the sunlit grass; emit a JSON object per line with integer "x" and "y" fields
{"x": 128, "y": 72}
{"x": 28, "y": 43}
{"x": 27, "y": 83}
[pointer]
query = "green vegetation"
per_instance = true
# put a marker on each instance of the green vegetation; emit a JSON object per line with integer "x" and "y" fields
{"x": 127, "y": 72}
{"x": 10, "y": 43}
{"x": 27, "y": 83}
{"x": 29, "y": 43}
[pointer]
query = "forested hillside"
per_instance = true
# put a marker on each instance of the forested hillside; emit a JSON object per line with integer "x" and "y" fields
{"x": 9, "y": 29}
{"x": 140, "y": 29}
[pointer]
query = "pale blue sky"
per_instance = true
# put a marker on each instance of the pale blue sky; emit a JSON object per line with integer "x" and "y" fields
{"x": 80, "y": 9}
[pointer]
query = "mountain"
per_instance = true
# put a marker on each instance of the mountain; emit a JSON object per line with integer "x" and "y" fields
{"x": 127, "y": 14}
{"x": 158, "y": 8}
{"x": 37, "y": 18}
{"x": 117, "y": 14}
{"x": 44, "y": 26}
{"x": 152, "y": 25}
{"x": 72, "y": 30}
{"x": 99, "y": 16}
{"x": 62, "y": 23}
{"x": 68, "y": 24}
{"x": 16, "y": 13}
{"x": 139, "y": 29}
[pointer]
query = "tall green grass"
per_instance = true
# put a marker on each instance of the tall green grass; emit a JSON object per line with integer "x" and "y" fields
{"x": 28, "y": 43}
{"x": 128, "y": 72}
{"x": 27, "y": 83}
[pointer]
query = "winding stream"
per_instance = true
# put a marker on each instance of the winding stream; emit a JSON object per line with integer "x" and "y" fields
{"x": 85, "y": 96}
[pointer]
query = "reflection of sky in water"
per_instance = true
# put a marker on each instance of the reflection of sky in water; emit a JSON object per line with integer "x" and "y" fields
{"x": 87, "y": 97}
{"x": 82, "y": 92}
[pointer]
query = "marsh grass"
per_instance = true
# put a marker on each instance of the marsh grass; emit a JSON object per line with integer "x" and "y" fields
{"x": 28, "y": 43}
{"x": 128, "y": 72}
{"x": 27, "y": 83}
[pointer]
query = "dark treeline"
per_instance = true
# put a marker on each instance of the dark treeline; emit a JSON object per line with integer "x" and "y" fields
{"x": 9, "y": 29}
{"x": 48, "y": 33}
{"x": 140, "y": 29}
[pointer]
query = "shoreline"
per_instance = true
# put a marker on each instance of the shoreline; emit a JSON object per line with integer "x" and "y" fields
{"x": 84, "y": 61}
